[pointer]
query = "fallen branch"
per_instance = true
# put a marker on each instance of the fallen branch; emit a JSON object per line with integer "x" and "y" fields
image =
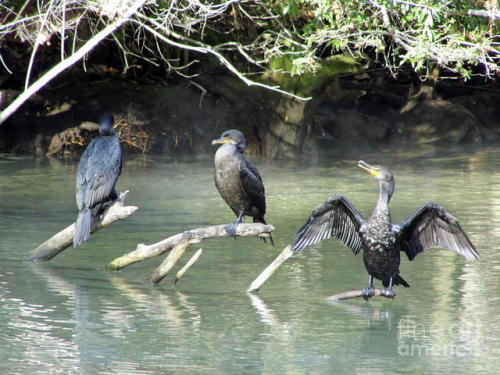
{"x": 190, "y": 262}
{"x": 352, "y": 294}
{"x": 64, "y": 238}
{"x": 267, "y": 273}
{"x": 172, "y": 259}
{"x": 143, "y": 251}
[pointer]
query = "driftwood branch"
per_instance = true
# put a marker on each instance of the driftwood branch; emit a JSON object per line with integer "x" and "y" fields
{"x": 352, "y": 294}
{"x": 172, "y": 258}
{"x": 64, "y": 238}
{"x": 143, "y": 251}
{"x": 267, "y": 273}
{"x": 190, "y": 262}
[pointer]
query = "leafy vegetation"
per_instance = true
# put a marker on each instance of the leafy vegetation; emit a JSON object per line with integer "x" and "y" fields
{"x": 435, "y": 38}
{"x": 460, "y": 37}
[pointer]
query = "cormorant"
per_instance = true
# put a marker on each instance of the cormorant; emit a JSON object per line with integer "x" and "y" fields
{"x": 99, "y": 168}
{"x": 381, "y": 240}
{"x": 238, "y": 181}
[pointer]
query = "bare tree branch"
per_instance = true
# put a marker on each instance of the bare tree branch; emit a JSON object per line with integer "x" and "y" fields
{"x": 143, "y": 251}
{"x": 220, "y": 57}
{"x": 66, "y": 63}
{"x": 269, "y": 270}
{"x": 64, "y": 238}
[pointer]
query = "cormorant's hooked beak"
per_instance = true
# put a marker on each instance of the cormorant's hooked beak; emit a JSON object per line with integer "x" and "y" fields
{"x": 369, "y": 168}
{"x": 221, "y": 141}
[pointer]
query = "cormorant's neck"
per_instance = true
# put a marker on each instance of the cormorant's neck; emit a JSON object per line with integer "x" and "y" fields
{"x": 228, "y": 150}
{"x": 384, "y": 196}
{"x": 107, "y": 131}
{"x": 385, "y": 192}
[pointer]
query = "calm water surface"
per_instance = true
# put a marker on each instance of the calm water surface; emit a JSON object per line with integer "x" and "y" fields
{"x": 70, "y": 316}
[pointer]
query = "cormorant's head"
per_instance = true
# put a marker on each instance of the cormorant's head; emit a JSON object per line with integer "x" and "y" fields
{"x": 106, "y": 127}
{"x": 382, "y": 174}
{"x": 234, "y": 137}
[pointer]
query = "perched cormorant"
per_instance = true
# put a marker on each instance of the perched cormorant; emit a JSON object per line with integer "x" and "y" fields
{"x": 99, "y": 168}
{"x": 380, "y": 240}
{"x": 238, "y": 181}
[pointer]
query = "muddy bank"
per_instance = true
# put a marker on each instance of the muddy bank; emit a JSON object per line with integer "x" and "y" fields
{"x": 181, "y": 117}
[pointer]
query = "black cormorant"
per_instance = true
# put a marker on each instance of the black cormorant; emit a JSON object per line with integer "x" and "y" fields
{"x": 99, "y": 168}
{"x": 380, "y": 240}
{"x": 238, "y": 181}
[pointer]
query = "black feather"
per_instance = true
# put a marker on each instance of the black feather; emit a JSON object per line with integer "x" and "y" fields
{"x": 98, "y": 170}
{"x": 380, "y": 240}
{"x": 337, "y": 218}
{"x": 432, "y": 226}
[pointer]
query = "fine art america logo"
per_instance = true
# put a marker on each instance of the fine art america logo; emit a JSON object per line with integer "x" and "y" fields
{"x": 456, "y": 339}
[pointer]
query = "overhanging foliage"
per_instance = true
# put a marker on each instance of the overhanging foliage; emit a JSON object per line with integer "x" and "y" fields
{"x": 458, "y": 37}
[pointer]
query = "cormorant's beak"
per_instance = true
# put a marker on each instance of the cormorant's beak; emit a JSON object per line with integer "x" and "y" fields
{"x": 369, "y": 168}
{"x": 221, "y": 141}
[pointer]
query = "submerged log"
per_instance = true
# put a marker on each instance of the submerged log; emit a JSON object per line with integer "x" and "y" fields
{"x": 64, "y": 238}
{"x": 143, "y": 251}
{"x": 353, "y": 294}
{"x": 267, "y": 273}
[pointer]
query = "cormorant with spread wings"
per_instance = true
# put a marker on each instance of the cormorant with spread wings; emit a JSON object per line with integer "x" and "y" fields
{"x": 380, "y": 240}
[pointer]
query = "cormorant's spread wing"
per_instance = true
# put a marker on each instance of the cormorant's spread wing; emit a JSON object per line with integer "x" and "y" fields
{"x": 431, "y": 226}
{"x": 99, "y": 169}
{"x": 253, "y": 186}
{"x": 337, "y": 218}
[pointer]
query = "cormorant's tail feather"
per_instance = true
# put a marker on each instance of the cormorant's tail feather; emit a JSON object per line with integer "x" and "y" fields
{"x": 260, "y": 219}
{"x": 398, "y": 280}
{"x": 82, "y": 228}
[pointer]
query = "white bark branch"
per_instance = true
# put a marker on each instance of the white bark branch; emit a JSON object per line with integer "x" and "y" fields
{"x": 171, "y": 259}
{"x": 66, "y": 63}
{"x": 201, "y": 48}
{"x": 352, "y": 294}
{"x": 188, "y": 265}
{"x": 268, "y": 272}
{"x": 64, "y": 238}
{"x": 143, "y": 251}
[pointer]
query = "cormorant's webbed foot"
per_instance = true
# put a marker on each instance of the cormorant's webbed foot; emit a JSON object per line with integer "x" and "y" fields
{"x": 368, "y": 291}
{"x": 388, "y": 292}
{"x": 231, "y": 228}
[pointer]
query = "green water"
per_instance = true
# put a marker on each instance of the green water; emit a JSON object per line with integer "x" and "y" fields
{"x": 70, "y": 316}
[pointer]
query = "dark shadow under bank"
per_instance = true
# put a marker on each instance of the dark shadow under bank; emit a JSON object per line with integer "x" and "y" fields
{"x": 181, "y": 117}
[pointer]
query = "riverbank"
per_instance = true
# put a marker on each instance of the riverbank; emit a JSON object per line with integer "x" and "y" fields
{"x": 181, "y": 116}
